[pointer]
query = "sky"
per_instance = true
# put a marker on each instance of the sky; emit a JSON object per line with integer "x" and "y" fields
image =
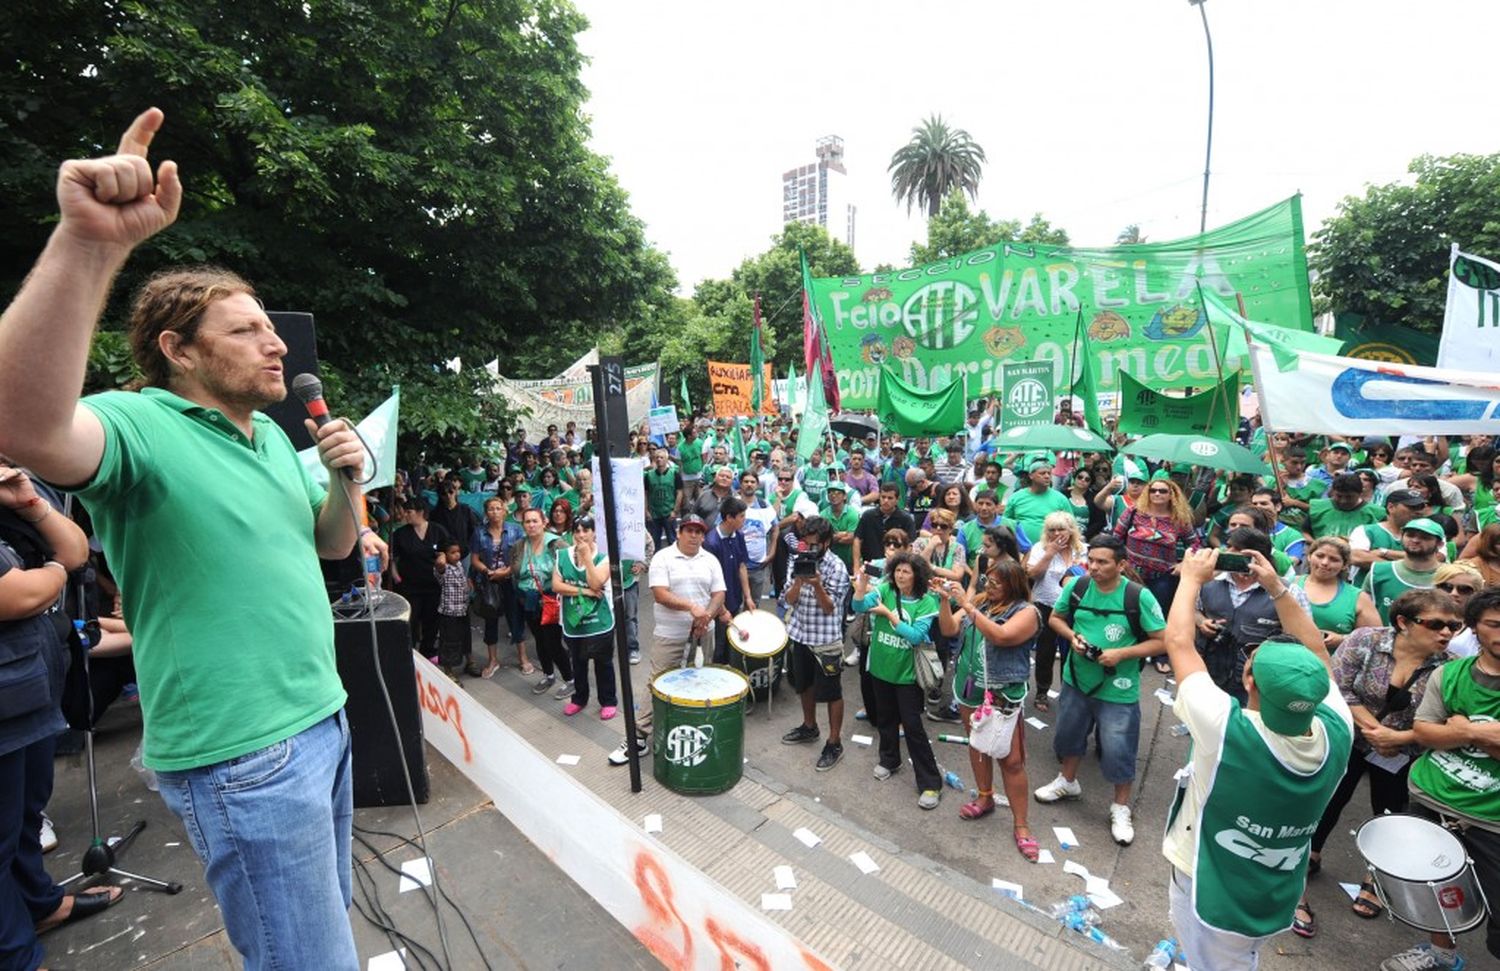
{"x": 1091, "y": 112}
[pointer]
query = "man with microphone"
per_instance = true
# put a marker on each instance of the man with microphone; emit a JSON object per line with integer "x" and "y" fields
{"x": 214, "y": 531}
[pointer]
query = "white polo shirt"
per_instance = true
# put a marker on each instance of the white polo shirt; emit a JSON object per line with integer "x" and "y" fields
{"x": 694, "y": 578}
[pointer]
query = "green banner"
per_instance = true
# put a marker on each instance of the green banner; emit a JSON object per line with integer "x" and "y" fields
{"x": 1020, "y": 302}
{"x": 1146, "y": 412}
{"x": 1385, "y": 342}
{"x": 904, "y": 410}
{"x": 1027, "y": 398}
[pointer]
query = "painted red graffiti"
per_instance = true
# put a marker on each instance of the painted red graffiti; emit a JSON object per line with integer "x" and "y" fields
{"x": 655, "y": 888}
{"x": 445, "y": 707}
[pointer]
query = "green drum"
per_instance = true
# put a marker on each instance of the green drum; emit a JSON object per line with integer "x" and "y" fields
{"x": 698, "y": 739}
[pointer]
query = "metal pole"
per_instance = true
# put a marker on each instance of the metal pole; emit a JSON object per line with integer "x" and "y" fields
{"x": 1209, "y": 150}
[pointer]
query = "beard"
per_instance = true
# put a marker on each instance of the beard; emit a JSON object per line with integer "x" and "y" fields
{"x": 253, "y": 389}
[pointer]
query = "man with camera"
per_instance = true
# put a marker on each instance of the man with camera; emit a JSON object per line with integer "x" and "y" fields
{"x": 816, "y": 588}
{"x": 1235, "y": 612}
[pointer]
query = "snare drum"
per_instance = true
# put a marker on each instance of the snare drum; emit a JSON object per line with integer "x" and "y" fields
{"x": 698, "y": 736}
{"x": 1422, "y": 873}
{"x": 756, "y": 653}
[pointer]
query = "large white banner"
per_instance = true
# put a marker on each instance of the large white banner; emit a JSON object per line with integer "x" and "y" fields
{"x": 1330, "y": 395}
{"x": 629, "y": 480}
{"x": 1471, "y": 320}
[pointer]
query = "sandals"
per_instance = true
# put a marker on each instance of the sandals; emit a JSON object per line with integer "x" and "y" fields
{"x": 1028, "y": 846}
{"x": 85, "y": 904}
{"x": 1367, "y": 904}
{"x": 1163, "y": 667}
{"x": 1042, "y": 705}
{"x": 1304, "y": 928}
{"x": 489, "y": 670}
{"x": 528, "y": 669}
{"x": 977, "y": 809}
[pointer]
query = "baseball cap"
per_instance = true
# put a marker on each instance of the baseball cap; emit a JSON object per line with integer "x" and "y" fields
{"x": 1292, "y": 683}
{"x": 838, "y": 484}
{"x": 1341, "y": 445}
{"x": 1406, "y": 497}
{"x": 692, "y": 520}
{"x": 1425, "y": 525}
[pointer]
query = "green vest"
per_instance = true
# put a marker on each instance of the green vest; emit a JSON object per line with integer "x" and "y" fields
{"x": 584, "y": 616}
{"x": 1259, "y": 817}
{"x": 690, "y": 457}
{"x": 1389, "y": 580}
{"x": 815, "y": 482}
{"x": 1466, "y": 779}
{"x": 1335, "y": 615}
{"x": 1380, "y": 539}
{"x": 889, "y": 657}
{"x": 661, "y": 491}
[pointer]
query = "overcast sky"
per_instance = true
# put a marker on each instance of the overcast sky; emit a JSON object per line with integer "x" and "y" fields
{"x": 1092, "y": 112}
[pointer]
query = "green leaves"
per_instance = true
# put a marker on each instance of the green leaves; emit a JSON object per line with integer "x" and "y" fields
{"x": 955, "y": 229}
{"x": 936, "y": 161}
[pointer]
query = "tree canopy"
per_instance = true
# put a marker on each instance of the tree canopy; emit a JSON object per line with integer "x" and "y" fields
{"x": 956, "y": 229}
{"x": 1385, "y": 255}
{"x": 413, "y": 172}
{"x": 937, "y": 160}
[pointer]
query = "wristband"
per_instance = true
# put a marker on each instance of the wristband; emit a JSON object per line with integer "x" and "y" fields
{"x": 1284, "y": 590}
{"x": 365, "y": 531}
{"x": 58, "y": 565}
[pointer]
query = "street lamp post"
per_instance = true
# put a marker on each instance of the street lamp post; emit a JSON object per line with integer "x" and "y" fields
{"x": 1209, "y": 151}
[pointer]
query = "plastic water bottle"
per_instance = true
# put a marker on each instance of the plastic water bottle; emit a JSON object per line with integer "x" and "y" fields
{"x": 372, "y": 577}
{"x": 1161, "y": 956}
{"x": 952, "y": 781}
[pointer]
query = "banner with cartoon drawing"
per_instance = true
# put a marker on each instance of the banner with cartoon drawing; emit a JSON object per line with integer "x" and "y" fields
{"x": 1020, "y": 302}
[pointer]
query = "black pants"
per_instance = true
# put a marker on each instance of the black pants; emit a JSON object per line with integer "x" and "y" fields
{"x": 549, "y": 646}
{"x": 1046, "y": 654}
{"x": 1387, "y": 794}
{"x": 1484, "y": 850}
{"x": 453, "y": 646}
{"x": 27, "y": 893}
{"x": 600, "y": 651}
{"x": 899, "y": 706}
{"x": 778, "y": 569}
{"x": 510, "y": 610}
{"x": 424, "y": 617}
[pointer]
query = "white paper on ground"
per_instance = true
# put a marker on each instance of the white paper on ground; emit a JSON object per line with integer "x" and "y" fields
{"x": 1093, "y": 884}
{"x": 1006, "y": 887}
{"x": 416, "y": 874}
{"x": 1045, "y": 856}
{"x": 1391, "y": 763}
{"x": 1054, "y": 695}
{"x": 807, "y": 837}
{"x": 1071, "y": 867}
{"x": 775, "y": 901}
{"x": 1035, "y": 722}
{"x": 1164, "y": 696}
{"x": 1105, "y": 899}
{"x": 861, "y": 740}
{"x": 1352, "y": 889}
{"x": 785, "y": 878}
{"x": 1065, "y": 837}
{"x": 567, "y": 760}
{"x": 862, "y": 860}
{"x": 389, "y": 961}
{"x": 653, "y": 822}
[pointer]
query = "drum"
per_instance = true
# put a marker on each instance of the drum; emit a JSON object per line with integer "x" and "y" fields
{"x": 1422, "y": 873}
{"x": 757, "y": 638}
{"x": 698, "y": 734}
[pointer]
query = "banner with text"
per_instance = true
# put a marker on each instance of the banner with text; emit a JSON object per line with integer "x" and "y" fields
{"x": 1016, "y": 302}
{"x": 630, "y": 503}
{"x": 1027, "y": 394}
{"x": 732, "y": 389}
{"x": 1148, "y": 412}
{"x": 904, "y": 410}
{"x": 1471, "y": 320}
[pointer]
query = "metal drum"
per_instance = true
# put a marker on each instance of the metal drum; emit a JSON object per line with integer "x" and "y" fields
{"x": 698, "y": 734}
{"x": 1422, "y": 873}
{"x": 757, "y": 638}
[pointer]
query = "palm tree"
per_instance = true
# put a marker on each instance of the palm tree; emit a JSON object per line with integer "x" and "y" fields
{"x": 1130, "y": 234}
{"x": 937, "y": 160}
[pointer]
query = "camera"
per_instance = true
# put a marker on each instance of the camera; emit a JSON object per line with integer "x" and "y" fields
{"x": 805, "y": 564}
{"x": 874, "y": 570}
{"x": 1091, "y": 651}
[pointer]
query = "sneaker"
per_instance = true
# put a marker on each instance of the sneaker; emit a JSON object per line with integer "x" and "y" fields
{"x": 49, "y": 835}
{"x": 572, "y": 708}
{"x": 851, "y": 659}
{"x": 935, "y": 696}
{"x": 542, "y": 685}
{"x": 832, "y": 752}
{"x": 635, "y": 657}
{"x": 1423, "y": 957}
{"x": 802, "y": 733}
{"x": 948, "y": 714}
{"x": 621, "y": 756}
{"x": 861, "y": 716}
{"x": 607, "y": 712}
{"x": 1120, "y": 826}
{"x": 1059, "y": 788}
{"x": 929, "y": 799}
{"x": 564, "y": 690}
{"x": 882, "y": 773}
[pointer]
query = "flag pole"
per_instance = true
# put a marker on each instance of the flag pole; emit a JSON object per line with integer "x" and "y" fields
{"x": 1213, "y": 342}
{"x": 1265, "y": 418}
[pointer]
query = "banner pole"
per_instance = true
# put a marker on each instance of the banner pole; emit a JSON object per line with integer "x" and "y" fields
{"x": 1213, "y": 342}
{"x": 1265, "y": 417}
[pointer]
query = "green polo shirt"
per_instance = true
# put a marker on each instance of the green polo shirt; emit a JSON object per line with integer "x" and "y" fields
{"x": 210, "y": 536}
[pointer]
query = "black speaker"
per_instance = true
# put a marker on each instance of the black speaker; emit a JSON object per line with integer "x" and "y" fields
{"x": 301, "y": 338}
{"x": 377, "y": 769}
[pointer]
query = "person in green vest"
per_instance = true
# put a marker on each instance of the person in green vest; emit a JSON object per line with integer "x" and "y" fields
{"x": 1381, "y": 542}
{"x": 664, "y": 498}
{"x": 1342, "y": 511}
{"x": 1236, "y": 492}
{"x": 986, "y": 516}
{"x": 1421, "y": 539}
{"x": 1457, "y": 780}
{"x": 690, "y": 462}
{"x": 1481, "y": 465}
{"x": 894, "y": 472}
{"x": 1259, "y": 778}
{"x": 813, "y": 477}
{"x": 1286, "y": 539}
{"x": 1337, "y": 606}
{"x": 581, "y": 579}
{"x": 581, "y": 495}
{"x": 1299, "y": 490}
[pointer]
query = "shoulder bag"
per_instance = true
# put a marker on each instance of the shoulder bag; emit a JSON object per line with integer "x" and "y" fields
{"x": 992, "y": 729}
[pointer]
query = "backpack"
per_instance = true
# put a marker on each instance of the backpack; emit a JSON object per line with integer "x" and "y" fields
{"x": 1132, "y": 609}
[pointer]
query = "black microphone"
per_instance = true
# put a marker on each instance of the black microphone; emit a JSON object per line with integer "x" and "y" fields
{"x": 308, "y": 388}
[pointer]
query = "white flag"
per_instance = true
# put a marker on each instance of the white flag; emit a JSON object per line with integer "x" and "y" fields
{"x": 379, "y": 432}
{"x": 1471, "y": 320}
{"x": 1331, "y": 395}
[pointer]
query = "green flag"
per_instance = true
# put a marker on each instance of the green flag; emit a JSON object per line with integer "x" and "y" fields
{"x": 1085, "y": 387}
{"x": 904, "y": 410}
{"x": 737, "y": 445}
{"x": 1027, "y": 394}
{"x": 757, "y": 364}
{"x": 791, "y": 387}
{"x": 379, "y": 430}
{"x": 687, "y": 404}
{"x": 814, "y": 422}
{"x": 1147, "y": 412}
{"x": 1385, "y": 342}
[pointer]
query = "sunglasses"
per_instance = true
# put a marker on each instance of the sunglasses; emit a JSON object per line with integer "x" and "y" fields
{"x": 783, "y": 478}
{"x": 1435, "y": 625}
{"x": 1462, "y": 588}
{"x": 893, "y": 546}
{"x": 1160, "y": 492}
{"x": 941, "y": 526}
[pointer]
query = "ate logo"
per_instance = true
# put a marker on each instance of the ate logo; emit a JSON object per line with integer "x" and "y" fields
{"x": 688, "y": 745}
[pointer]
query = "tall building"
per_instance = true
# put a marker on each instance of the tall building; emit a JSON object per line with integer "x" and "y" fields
{"x": 819, "y": 192}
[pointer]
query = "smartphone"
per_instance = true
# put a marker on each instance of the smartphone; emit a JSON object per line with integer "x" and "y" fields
{"x": 1233, "y": 562}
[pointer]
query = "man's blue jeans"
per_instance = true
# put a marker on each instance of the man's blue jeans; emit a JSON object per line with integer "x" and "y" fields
{"x": 272, "y": 829}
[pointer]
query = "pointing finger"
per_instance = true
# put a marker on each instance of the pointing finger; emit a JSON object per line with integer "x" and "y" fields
{"x": 137, "y": 138}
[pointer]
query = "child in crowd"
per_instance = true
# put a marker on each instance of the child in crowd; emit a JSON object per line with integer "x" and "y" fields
{"x": 453, "y": 613}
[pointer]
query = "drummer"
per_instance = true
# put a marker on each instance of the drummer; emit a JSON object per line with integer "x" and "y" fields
{"x": 815, "y": 627}
{"x": 1457, "y": 782}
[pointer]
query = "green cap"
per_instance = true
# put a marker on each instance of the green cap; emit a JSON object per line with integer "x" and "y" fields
{"x": 1160, "y": 475}
{"x": 1425, "y": 525}
{"x": 1292, "y": 683}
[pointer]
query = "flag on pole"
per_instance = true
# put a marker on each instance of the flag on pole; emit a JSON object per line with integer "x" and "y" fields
{"x": 757, "y": 363}
{"x": 907, "y": 410}
{"x": 814, "y": 421}
{"x": 1472, "y": 314}
{"x": 737, "y": 446}
{"x": 1084, "y": 386}
{"x": 791, "y": 387}
{"x": 687, "y": 404}
{"x": 817, "y": 355}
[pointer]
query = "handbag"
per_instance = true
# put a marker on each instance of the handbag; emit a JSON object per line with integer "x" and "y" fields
{"x": 991, "y": 729}
{"x": 551, "y": 606}
{"x": 487, "y": 599}
{"x": 926, "y": 665}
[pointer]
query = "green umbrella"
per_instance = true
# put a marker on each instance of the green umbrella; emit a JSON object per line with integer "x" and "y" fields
{"x": 1055, "y": 437}
{"x": 1198, "y": 450}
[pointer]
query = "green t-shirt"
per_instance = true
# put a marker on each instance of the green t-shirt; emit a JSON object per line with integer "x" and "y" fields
{"x": 846, "y": 521}
{"x": 1101, "y": 621}
{"x": 889, "y": 656}
{"x": 690, "y": 457}
{"x": 472, "y": 479}
{"x": 536, "y": 569}
{"x": 1389, "y": 579}
{"x": 972, "y": 533}
{"x": 222, "y": 589}
{"x": 1029, "y": 509}
{"x": 584, "y": 616}
{"x": 1326, "y": 519}
{"x": 814, "y": 481}
{"x": 1312, "y": 489}
{"x": 661, "y": 491}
